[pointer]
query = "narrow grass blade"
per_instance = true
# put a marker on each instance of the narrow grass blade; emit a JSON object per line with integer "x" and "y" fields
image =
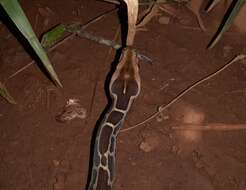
{"x": 15, "y": 12}
{"x": 233, "y": 12}
{"x": 53, "y": 36}
{"x": 212, "y": 5}
{"x": 5, "y": 94}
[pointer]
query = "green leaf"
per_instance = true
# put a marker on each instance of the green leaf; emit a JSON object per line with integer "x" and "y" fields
{"x": 5, "y": 94}
{"x": 53, "y": 36}
{"x": 233, "y": 12}
{"x": 15, "y": 12}
{"x": 212, "y": 5}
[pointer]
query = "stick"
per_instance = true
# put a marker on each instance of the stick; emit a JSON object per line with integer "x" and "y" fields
{"x": 103, "y": 41}
{"x": 179, "y": 96}
{"x": 33, "y": 61}
{"x": 149, "y": 13}
{"x": 71, "y": 35}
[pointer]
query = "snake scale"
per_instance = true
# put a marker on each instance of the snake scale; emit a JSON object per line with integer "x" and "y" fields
{"x": 124, "y": 87}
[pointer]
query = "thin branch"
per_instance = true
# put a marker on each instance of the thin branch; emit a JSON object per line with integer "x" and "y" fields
{"x": 103, "y": 41}
{"x": 99, "y": 17}
{"x": 49, "y": 50}
{"x": 188, "y": 89}
{"x": 149, "y": 13}
{"x": 98, "y": 39}
{"x": 82, "y": 33}
{"x": 68, "y": 37}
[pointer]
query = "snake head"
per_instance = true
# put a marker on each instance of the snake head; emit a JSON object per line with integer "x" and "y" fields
{"x": 125, "y": 81}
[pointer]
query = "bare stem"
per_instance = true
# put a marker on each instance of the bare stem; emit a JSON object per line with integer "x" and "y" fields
{"x": 163, "y": 107}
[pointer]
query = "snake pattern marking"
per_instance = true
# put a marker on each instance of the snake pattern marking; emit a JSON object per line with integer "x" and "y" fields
{"x": 124, "y": 88}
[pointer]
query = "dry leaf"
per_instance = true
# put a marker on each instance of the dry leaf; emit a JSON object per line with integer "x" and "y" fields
{"x": 71, "y": 110}
{"x": 132, "y": 12}
{"x": 151, "y": 12}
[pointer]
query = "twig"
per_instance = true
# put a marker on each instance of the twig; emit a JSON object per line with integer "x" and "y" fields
{"x": 49, "y": 50}
{"x": 20, "y": 70}
{"x": 98, "y": 39}
{"x": 212, "y": 126}
{"x": 149, "y": 13}
{"x": 82, "y": 33}
{"x": 99, "y": 17}
{"x": 68, "y": 37}
{"x": 103, "y": 41}
{"x": 179, "y": 96}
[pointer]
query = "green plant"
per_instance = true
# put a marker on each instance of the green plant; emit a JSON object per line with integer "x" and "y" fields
{"x": 230, "y": 15}
{"x": 16, "y": 14}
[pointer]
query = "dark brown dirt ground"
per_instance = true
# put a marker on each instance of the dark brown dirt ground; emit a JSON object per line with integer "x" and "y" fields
{"x": 37, "y": 152}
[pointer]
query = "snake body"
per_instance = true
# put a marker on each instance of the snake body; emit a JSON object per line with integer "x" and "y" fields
{"x": 124, "y": 88}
